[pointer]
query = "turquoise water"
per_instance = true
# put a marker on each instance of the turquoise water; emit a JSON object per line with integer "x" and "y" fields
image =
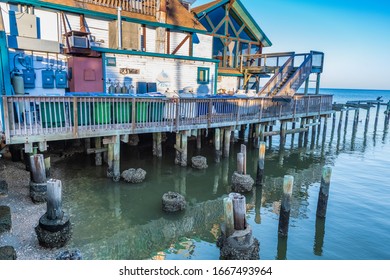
{"x": 122, "y": 221}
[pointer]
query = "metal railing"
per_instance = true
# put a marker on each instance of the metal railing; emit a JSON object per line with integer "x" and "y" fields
{"x": 145, "y": 7}
{"x": 49, "y": 118}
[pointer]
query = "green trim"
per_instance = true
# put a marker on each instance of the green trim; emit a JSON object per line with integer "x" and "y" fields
{"x": 95, "y": 14}
{"x": 151, "y": 54}
{"x": 4, "y": 63}
{"x": 206, "y": 74}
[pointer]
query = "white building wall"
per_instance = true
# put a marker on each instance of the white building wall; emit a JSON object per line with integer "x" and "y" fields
{"x": 228, "y": 84}
{"x": 150, "y": 39}
{"x": 205, "y": 47}
{"x": 169, "y": 74}
{"x": 175, "y": 39}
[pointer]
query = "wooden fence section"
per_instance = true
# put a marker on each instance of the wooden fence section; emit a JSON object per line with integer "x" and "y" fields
{"x": 145, "y": 7}
{"x": 30, "y": 119}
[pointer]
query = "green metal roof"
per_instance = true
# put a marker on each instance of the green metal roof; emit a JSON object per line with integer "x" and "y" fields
{"x": 242, "y": 12}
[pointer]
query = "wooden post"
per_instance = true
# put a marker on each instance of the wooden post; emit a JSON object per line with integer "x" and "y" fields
{"x": 293, "y": 134}
{"x": 199, "y": 139}
{"x": 228, "y": 215}
{"x": 226, "y": 149}
{"x": 159, "y": 145}
{"x": 98, "y": 156}
{"x": 54, "y": 200}
{"x": 346, "y": 119}
{"x": 239, "y": 211}
{"x": 260, "y": 165}
{"x": 243, "y": 151}
{"x": 367, "y": 120}
{"x": 324, "y": 192}
{"x": 319, "y": 236}
{"x": 256, "y": 138}
{"x": 261, "y": 133}
{"x": 270, "y": 137}
{"x": 154, "y": 149}
{"x": 110, "y": 161}
{"x": 285, "y": 207}
{"x": 301, "y": 134}
{"x": 313, "y": 134}
{"x": 378, "y": 106}
{"x": 184, "y": 149}
{"x": 217, "y": 144}
{"x": 240, "y": 163}
{"x": 47, "y": 165}
{"x": 178, "y": 148}
{"x": 116, "y": 162}
{"x": 306, "y": 134}
{"x": 37, "y": 168}
{"x": 283, "y": 127}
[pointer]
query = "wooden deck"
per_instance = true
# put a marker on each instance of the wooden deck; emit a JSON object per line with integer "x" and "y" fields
{"x": 29, "y": 119}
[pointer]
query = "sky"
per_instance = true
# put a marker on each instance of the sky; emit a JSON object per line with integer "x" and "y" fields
{"x": 353, "y": 34}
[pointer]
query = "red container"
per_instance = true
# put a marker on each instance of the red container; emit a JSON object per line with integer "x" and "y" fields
{"x": 86, "y": 74}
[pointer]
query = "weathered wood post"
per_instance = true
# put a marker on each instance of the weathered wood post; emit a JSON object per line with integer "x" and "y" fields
{"x": 199, "y": 139}
{"x": 217, "y": 145}
{"x": 159, "y": 144}
{"x": 228, "y": 215}
{"x": 270, "y": 128}
{"x": 98, "y": 156}
{"x": 324, "y": 191}
{"x": 367, "y": 119}
{"x": 282, "y": 248}
{"x": 378, "y": 107}
{"x": 293, "y": 125}
{"x": 54, "y": 227}
{"x": 243, "y": 151}
{"x": 313, "y": 133}
{"x": 38, "y": 185}
{"x": 258, "y": 203}
{"x": 154, "y": 141}
{"x": 236, "y": 241}
{"x": 240, "y": 163}
{"x": 226, "y": 150}
{"x": 110, "y": 161}
{"x": 256, "y": 138}
{"x": 184, "y": 137}
{"x": 241, "y": 182}
{"x": 306, "y": 133}
{"x": 47, "y": 165}
{"x": 285, "y": 206}
{"x": 116, "y": 162}
{"x": 261, "y": 132}
{"x": 260, "y": 165}
{"x": 178, "y": 148}
{"x": 283, "y": 128}
{"x": 319, "y": 236}
{"x": 301, "y": 133}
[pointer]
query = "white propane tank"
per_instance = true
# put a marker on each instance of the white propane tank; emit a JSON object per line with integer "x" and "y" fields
{"x": 18, "y": 83}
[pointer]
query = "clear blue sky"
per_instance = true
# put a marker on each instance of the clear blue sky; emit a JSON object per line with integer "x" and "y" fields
{"x": 353, "y": 34}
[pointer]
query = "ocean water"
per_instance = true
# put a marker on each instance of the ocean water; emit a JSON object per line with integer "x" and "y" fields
{"x": 122, "y": 221}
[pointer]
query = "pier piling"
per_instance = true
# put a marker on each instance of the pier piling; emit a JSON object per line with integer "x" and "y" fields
{"x": 98, "y": 156}
{"x": 54, "y": 227}
{"x": 324, "y": 192}
{"x": 260, "y": 165}
{"x": 226, "y": 150}
{"x": 285, "y": 206}
{"x": 217, "y": 145}
{"x": 38, "y": 185}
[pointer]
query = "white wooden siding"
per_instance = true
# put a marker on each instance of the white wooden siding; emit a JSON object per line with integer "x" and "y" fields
{"x": 175, "y": 39}
{"x": 179, "y": 73}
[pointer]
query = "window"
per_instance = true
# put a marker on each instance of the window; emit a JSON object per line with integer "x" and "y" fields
{"x": 203, "y": 75}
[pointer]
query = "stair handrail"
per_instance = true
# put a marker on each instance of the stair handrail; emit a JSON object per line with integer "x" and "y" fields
{"x": 297, "y": 79}
{"x": 278, "y": 76}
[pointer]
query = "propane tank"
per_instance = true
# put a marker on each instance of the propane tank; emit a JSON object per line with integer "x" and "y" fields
{"x": 118, "y": 88}
{"x": 111, "y": 88}
{"x": 18, "y": 83}
{"x": 124, "y": 89}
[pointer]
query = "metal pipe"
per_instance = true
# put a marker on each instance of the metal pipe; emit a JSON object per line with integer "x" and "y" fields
{"x": 119, "y": 21}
